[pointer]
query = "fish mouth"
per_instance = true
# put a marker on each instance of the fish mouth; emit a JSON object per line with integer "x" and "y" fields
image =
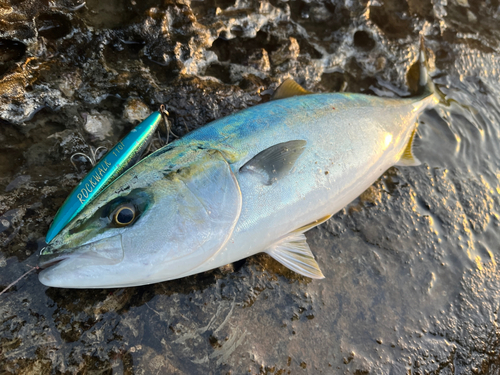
{"x": 106, "y": 251}
{"x": 48, "y": 260}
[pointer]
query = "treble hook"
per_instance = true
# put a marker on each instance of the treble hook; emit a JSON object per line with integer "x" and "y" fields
{"x": 92, "y": 158}
{"x": 166, "y": 122}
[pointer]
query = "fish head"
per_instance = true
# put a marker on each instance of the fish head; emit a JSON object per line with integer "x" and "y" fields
{"x": 92, "y": 247}
{"x": 157, "y": 221}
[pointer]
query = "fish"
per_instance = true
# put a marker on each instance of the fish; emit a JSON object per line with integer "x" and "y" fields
{"x": 251, "y": 182}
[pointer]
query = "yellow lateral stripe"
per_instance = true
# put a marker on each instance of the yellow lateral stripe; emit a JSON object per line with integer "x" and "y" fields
{"x": 312, "y": 225}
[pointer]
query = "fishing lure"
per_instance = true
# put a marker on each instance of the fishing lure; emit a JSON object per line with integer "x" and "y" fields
{"x": 121, "y": 157}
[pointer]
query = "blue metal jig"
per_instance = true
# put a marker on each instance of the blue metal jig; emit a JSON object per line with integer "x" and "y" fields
{"x": 125, "y": 154}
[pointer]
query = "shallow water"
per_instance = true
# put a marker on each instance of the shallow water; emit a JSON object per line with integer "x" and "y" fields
{"x": 412, "y": 282}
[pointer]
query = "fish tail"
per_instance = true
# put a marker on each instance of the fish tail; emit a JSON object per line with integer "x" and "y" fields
{"x": 425, "y": 85}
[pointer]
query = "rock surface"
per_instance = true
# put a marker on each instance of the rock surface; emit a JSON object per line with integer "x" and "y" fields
{"x": 412, "y": 282}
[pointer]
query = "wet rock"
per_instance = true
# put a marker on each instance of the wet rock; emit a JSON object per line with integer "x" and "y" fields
{"x": 98, "y": 125}
{"x": 411, "y": 277}
{"x": 392, "y": 16}
{"x": 462, "y": 16}
{"x": 11, "y": 50}
{"x": 136, "y": 110}
{"x": 69, "y": 83}
{"x": 219, "y": 71}
{"x": 363, "y": 40}
{"x": 288, "y": 51}
{"x": 17, "y": 182}
{"x": 53, "y": 25}
{"x": 260, "y": 60}
{"x": 320, "y": 20}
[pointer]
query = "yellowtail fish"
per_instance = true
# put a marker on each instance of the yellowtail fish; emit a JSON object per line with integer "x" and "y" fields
{"x": 251, "y": 182}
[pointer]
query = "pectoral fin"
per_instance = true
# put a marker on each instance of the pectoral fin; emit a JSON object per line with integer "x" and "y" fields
{"x": 408, "y": 158}
{"x": 288, "y": 89}
{"x": 294, "y": 253}
{"x": 276, "y": 161}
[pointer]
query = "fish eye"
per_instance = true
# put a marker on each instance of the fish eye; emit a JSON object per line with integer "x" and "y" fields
{"x": 124, "y": 215}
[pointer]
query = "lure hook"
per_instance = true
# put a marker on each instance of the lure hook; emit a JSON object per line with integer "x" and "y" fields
{"x": 92, "y": 158}
{"x": 166, "y": 122}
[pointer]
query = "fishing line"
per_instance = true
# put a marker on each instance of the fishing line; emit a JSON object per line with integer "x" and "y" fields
{"x": 19, "y": 279}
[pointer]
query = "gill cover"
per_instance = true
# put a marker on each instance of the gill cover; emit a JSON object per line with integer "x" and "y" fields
{"x": 199, "y": 207}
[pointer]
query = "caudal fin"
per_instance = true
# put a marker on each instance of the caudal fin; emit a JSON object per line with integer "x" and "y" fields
{"x": 425, "y": 84}
{"x": 418, "y": 76}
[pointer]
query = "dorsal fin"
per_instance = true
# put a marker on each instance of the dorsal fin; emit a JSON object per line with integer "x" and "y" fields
{"x": 288, "y": 89}
{"x": 275, "y": 161}
{"x": 408, "y": 158}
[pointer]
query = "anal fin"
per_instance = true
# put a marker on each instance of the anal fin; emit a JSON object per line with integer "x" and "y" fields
{"x": 294, "y": 253}
{"x": 408, "y": 159}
